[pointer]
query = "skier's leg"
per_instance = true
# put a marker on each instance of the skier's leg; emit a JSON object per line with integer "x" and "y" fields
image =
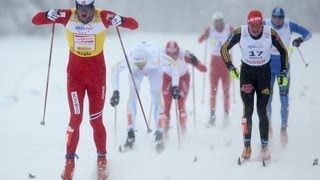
{"x": 225, "y": 85}
{"x": 96, "y": 95}
{"x": 263, "y": 94}
{"x": 248, "y": 101}
{"x": 214, "y": 79}
{"x": 284, "y": 98}
{"x": 262, "y": 101}
{"x": 247, "y": 95}
{"x": 184, "y": 89}
{"x": 167, "y": 96}
{"x": 96, "y": 90}
{"x": 132, "y": 102}
{"x": 155, "y": 77}
{"x": 76, "y": 93}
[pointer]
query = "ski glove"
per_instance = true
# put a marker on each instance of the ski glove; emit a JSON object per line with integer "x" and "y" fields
{"x": 234, "y": 73}
{"x": 116, "y": 20}
{"x": 175, "y": 92}
{"x": 297, "y": 42}
{"x": 53, "y": 14}
{"x": 194, "y": 60}
{"x": 114, "y": 101}
{"x": 282, "y": 78}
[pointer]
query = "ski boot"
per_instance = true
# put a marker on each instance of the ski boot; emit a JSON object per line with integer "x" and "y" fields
{"x": 130, "y": 139}
{"x": 68, "y": 171}
{"x": 246, "y": 153}
{"x": 102, "y": 168}
{"x": 212, "y": 120}
{"x": 159, "y": 141}
{"x": 284, "y": 137}
{"x": 265, "y": 154}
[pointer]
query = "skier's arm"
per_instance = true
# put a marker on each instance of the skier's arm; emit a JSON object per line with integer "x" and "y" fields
{"x": 41, "y": 17}
{"x": 115, "y": 74}
{"x": 128, "y": 22}
{"x": 205, "y": 35}
{"x": 233, "y": 39}
{"x": 305, "y": 34}
{"x": 192, "y": 59}
{"x": 277, "y": 42}
{"x": 174, "y": 68}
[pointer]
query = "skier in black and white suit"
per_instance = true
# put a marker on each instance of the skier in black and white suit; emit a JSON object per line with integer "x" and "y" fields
{"x": 255, "y": 42}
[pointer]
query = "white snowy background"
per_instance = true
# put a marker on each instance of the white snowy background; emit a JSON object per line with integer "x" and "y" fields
{"x": 205, "y": 154}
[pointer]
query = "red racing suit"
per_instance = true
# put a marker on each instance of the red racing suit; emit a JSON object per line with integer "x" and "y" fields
{"x": 218, "y": 69}
{"x": 86, "y": 71}
{"x": 182, "y": 60}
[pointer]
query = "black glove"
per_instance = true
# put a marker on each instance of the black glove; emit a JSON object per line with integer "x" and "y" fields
{"x": 194, "y": 60}
{"x": 297, "y": 42}
{"x": 175, "y": 92}
{"x": 114, "y": 101}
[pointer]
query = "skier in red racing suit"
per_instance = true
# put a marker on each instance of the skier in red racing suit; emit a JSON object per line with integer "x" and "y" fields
{"x": 86, "y": 28}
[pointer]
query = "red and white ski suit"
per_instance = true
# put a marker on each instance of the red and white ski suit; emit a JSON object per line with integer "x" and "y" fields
{"x": 182, "y": 60}
{"x": 86, "y": 71}
{"x": 218, "y": 69}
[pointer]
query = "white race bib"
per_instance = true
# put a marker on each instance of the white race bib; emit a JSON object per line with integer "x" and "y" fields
{"x": 84, "y": 42}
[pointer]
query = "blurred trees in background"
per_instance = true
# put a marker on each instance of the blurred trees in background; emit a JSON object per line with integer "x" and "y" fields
{"x": 178, "y": 16}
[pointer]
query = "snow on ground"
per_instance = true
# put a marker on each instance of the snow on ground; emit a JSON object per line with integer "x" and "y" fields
{"x": 206, "y": 153}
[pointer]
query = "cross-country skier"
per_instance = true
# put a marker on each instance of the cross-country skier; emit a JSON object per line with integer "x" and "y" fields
{"x": 146, "y": 59}
{"x": 216, "y": 35}
{"x": 183, "y": 58}
{"x": 86, "y": 72}
{"x": 284, "y": 28}
{"x": 255, "y": 42}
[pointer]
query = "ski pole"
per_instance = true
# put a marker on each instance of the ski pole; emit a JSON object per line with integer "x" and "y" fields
{"x": 291, "y": 50}
{"x": 48, "y": 75}
{"x": 150, "y": 113}
{"x": 134, "y": 83}
{"x": 115, "y": 125}
{"x": 233, "y": 92}
{"x": 194, "y": 98}
{"x": 303, "y": 60}
{"x": 178, "y": 118}
{"x": 204, "y": 74}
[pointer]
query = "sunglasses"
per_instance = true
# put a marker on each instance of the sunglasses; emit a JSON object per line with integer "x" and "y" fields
{"x": 84, "y": 7}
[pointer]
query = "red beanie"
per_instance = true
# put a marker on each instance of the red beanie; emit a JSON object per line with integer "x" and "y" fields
{"x": 254, "y": 16}
{"x": 172, "y": 47}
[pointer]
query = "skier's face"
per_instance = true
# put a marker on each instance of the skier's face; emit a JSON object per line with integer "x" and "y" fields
{"x": 219, "y": 25}
{"x": 173, "y": 55}
{"x": 141, "y": 65}
{"x": 255, "y": 28}
{"x": 277, "y": 21}
{"x": 85, "y": 13}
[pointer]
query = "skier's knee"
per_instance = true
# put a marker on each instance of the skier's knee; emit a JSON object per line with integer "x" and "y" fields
{"x": 96, "y": 123}
{"x": 284, "y": 92}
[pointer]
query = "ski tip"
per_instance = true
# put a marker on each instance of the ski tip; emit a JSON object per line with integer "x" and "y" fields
{"x": 239, "y": 161}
